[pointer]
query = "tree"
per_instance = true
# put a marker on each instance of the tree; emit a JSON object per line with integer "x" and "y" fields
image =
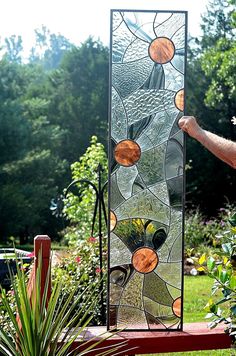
{"x": 79, "y": 208}
{"x": 14, "y": 48}
{"x": 49, "y": 48}
{"x": 212, "y": 100}
{"x": 31, "y": 171}
{"x": 80, "y": 101}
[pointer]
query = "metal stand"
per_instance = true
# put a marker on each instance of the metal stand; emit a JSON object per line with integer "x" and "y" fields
{"x": 100, "y": 210}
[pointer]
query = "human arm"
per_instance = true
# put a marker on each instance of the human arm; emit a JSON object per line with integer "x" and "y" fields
{"x": 222, "y": 148}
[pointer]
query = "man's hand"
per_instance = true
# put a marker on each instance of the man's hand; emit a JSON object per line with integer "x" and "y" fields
{"x": 189, "y": 124}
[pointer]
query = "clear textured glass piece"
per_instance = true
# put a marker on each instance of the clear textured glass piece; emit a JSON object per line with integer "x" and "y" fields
{"x": 121, "y": 255}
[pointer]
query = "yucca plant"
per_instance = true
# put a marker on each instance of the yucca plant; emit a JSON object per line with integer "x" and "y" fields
{"x": 46, "y": 326}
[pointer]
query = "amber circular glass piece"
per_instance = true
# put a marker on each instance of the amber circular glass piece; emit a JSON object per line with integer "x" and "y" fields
{"x": 179, "y": 99}
{"x": 127, "y": 153}
{"x": 176, "y": 307}
{"x": 161, "y": 50}
{"x": 145, "y": 260}
{"x": 113, "y": 221}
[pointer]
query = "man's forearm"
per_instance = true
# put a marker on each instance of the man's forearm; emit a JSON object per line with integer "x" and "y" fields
{"x": 219, "y": 146}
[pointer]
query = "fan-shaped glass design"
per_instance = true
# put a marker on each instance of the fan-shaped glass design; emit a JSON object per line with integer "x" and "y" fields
{"x": 147, "y": 59}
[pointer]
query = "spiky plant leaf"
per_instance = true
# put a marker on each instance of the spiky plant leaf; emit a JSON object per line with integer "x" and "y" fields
{"x": 46, "y": 326}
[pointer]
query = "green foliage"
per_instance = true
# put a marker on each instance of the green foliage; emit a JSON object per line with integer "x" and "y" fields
{"x": 219, "y": 63}
{"x": 48, "y": 112}
{"x": 222, "y": 269}
{"x": 80, "y": 99}
{"x": 200, "y": 230}
{"x": 81, "y": 267}
{"x": 212, "y": 101}
{"x": 45, "y": 326}
{"x": 79, "y": 208}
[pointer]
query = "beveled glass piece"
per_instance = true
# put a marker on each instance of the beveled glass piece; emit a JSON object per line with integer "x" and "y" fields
{"x": 115, "y": 294}
{"x": 131, "y": 318}
{"x": 121, "y": 254}
{"x": 127, "y": 153}
{"x": 145, "y": 260}
{"x": 170, "y": 273}
{"x": 125, "y": 179}
{"x": 161, "y": 50}
{"x": 169, "y": 27}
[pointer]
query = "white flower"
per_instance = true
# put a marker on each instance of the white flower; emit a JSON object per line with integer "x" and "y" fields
{"x": 233, "y": 120}
{"x": 193, "y": 272}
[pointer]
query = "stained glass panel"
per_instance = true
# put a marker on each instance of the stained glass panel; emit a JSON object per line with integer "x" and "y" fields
{"x": 146, "y": 183}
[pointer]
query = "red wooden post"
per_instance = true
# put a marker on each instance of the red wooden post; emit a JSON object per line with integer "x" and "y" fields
{"x": 42, "y": 245}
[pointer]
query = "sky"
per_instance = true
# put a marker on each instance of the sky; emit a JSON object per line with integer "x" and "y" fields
{"x": 77, "y": 19}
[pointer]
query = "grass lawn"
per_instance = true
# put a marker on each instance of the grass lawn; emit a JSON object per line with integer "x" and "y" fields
{"x": 196, "y": 294}
{"x": 197, "y": 291}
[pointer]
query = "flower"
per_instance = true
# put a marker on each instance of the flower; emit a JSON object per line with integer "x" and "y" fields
{"x": 31, "y": 254}
{"x": 193, "y": 272}
{"x": 98, "y": 270}
{"x": 233, "y": 120}
{"x": 77, "y": 259}
{"x": 92, "y": 239}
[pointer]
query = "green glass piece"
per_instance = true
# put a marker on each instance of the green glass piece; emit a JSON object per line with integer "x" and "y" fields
{"x": 176, "y": 250}
{"x": 161, "y": 192}
{"x": 176, "y": 217}
{"x": 132, "y": 294}
{"x": 144, "y": 205}
{"x": 174, "y": 292}
{"x": 150, "y": 166}
{"x": 156, "y": 309}
{"x": 155, "y": 289}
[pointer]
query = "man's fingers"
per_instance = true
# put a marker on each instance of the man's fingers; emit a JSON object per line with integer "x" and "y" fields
{"x": 181, "y": 122}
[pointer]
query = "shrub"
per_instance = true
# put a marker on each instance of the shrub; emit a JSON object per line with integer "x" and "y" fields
{"x": 81, "y": 267}
{"x": 202, "y": 231}
{"x": 222, "y": 269}
{"x": 79, "y": 207}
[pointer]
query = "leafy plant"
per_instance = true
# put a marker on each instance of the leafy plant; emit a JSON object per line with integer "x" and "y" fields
{"x": 79, "y": 207}
{"x": 42, "y": 325}
{"x": 82, "y": 264}
{"x": 202, "y": 231}
{"x": 222, "y": 269}
{"x": 81, "y": 267}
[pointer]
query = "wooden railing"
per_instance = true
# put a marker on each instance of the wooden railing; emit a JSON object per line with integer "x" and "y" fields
{"x": 42, "y": 250}
{"x": 195, "y": 336}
